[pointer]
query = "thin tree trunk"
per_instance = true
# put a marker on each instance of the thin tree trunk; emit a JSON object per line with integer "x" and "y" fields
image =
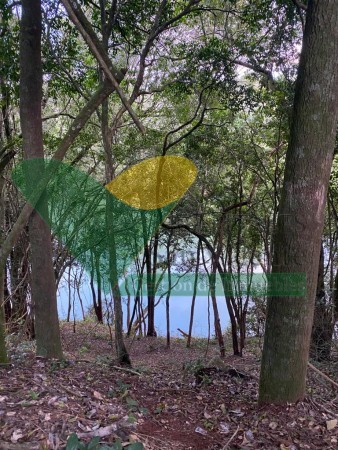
{"x": 212, "y": 290}
{"x": 69, "y": 295}
{"x": 322, "y": 329}
{"x": 97, "y": 301}
{"x": 3, "y": 350}
{"x": 301, "y": 213}
{"x": 43, "y": 286}
{"x": 193, "y": 300}
{"x": 7, "y": 305}
{"x": 217, "y": 321}
{"x": 230, "y": 299}
{"x": 167, "y": 299}
{"x": 121, "y": 350}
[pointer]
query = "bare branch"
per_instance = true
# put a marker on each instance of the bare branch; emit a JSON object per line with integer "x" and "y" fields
{"x": 82, "y": 24}
{"x": 56, "y": 115}
{"x": 255, "y": 68}
{"x": 166, "y": 146}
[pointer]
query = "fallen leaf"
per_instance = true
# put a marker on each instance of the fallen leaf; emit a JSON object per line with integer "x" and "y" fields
{"x": 97, "y": 395}
{"x": 238, "y": 412}
{"x": 273, "y": 425}
{"x": 331, "y": 424}
{"x": 223, "y": 408}
{"x": 200, "y": 430}
{"x": 101, "y": 432}
{"x": 52, "y": 400}
{"x": 17, "y": 434}
{"x": 249, "y": 435}
{"x": 224, "y": 428}
{"x": 91, "y": 413}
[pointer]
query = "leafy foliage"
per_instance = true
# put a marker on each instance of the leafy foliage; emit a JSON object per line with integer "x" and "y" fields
{"x": 73, "y": 443}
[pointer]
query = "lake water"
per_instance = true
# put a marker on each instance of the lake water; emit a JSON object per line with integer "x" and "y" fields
{"x": 179, "y": 311}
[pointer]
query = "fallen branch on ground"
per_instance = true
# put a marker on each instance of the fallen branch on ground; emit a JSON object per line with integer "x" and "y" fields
{"x": 124, "y": 369}
{"x": 323, "y": 374}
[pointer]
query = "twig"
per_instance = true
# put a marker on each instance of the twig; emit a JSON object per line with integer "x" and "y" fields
{"x": 124, "y": 369}
{"x": 183, "y": 333}
{"x": 232, "y": 437}
{"x": 323, "y": 374}
{"x": 321, "y": 406}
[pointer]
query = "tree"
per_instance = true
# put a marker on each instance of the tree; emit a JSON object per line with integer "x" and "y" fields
{"x": 301, "y": 214}
{"x": 42, "y": 280}
{"x": 3, "y": 352}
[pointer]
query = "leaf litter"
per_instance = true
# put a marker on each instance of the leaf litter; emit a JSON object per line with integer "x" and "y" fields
{"x": 161, "y": 405}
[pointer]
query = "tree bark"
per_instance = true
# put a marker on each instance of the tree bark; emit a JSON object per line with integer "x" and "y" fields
{"x": 193, "y": 300}
{"x": 121, "y": 349}
{"x": 3, "y": 350}
{"x": 301, "y": 214}
{"x": 323, "y": 324}
{"x": 167, "y": 298}
{"x": 42, "y": 279}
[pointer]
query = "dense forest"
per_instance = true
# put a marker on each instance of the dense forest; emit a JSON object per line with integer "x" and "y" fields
{"x": 155, "y": 151}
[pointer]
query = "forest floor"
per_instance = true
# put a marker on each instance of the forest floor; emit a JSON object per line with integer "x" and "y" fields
{"x": 159, "y": 403}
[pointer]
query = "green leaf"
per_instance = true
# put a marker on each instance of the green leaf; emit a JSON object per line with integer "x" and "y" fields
{"x": 131, "y": 418}
{"x": 118, "y": 445}
{"x": 131, "y": 402}
{"x": 72, "y": 442}
{"x": 135, "y": 446}
{"x": 94, "y": 443}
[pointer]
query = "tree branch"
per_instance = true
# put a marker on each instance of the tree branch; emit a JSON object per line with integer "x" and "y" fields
{"x": 166, "y": 146}
{"x": 255, "y": 68}
{"x": 84, "y": 27}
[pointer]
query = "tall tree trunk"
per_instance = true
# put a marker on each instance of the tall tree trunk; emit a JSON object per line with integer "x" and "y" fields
{"x": 121, "y": 349}
{"x": 335, "y": 301}
{"x": 217, "y": 320}
{"x": 3, "y": 350}
{"x": 301, "y": 214}
{"x": 212, "y": 290}
{"x": 322, "y": 329}
{"x": 42, "y": 279}
{"x": 19, "y": 277}
{"x": 7, "y": 304}
{"x": 167, "y": 299}
{"x": 193, "y": 300}
{"x": 151, "y": 332}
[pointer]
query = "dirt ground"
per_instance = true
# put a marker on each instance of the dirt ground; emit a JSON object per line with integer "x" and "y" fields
{"x": 158, "y": 403}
